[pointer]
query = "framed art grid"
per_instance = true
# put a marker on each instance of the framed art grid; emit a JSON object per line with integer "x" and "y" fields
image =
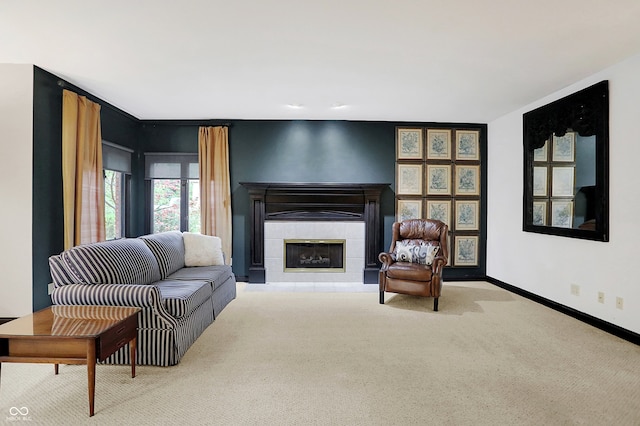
{"x": 451, "y": 186}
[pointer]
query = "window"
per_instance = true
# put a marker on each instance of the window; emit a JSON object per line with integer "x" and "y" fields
{"x": 174, "y": 190}
{"x": 116, "y": 162}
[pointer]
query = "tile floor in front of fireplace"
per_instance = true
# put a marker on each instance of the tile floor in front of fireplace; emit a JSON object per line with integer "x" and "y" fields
{"x": 326, "y": 287}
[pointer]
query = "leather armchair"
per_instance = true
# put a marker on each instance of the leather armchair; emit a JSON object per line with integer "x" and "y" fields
{"x": 415, "y": 278}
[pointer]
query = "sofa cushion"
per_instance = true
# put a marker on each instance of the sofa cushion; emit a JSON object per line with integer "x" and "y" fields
{"x": 168, "y": 248}
{"x": 180, "y": 298}
{"x": 216, "y": 275}
{"x": 202, "y": 250}
{"x": 124, "y": 261}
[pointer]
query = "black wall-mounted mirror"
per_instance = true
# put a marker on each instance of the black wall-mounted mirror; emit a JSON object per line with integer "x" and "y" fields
{"x": 566, "y": 166}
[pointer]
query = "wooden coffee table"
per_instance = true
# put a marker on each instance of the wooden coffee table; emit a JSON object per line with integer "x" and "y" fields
{"x": 63, "y": 334}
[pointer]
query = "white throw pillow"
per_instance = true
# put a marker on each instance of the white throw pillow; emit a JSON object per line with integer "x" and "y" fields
{"x": 202, "y": 250}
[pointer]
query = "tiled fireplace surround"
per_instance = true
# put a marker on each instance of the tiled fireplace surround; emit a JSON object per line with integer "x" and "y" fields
{"x": 280, "y": 211}
{"x": 275, "y": 232}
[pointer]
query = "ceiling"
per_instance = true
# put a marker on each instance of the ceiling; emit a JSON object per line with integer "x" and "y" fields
{"x": 401, "y": 60}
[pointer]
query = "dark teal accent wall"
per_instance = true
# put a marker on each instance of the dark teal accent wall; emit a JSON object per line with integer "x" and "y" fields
{"x": 290, "y": 151}
{"x": 47, "y": 226}
{"x": 47, "y": 216}
{"x": 307, "y": 151}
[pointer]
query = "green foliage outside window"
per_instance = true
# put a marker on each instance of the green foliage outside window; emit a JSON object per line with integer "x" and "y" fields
{"x": 113, "y": 204}
{"x": 167, "y": 195}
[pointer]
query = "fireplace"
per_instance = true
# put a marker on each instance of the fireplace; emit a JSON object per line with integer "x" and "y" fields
{"x": 331, "y": 203}
{"x": 314, "y": 255}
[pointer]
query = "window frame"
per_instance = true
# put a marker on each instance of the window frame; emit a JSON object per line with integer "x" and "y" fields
{"x": 118, "y": 159}
{"x": 185, "y": 160}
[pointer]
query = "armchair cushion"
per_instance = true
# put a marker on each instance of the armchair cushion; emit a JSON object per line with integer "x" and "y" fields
{"x": 408, "y": 251}
{"x": 409, "y": 271}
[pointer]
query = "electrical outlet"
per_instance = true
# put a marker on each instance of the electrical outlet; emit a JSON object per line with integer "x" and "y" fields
{"x": 575, "y": 289}
{"x": 600, "y": 297}
{"x": 619, "y": 302}
{"x": 50, "y": 288}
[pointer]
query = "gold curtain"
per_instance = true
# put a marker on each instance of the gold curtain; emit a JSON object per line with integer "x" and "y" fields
{"x": 215, "y": 186}
{"x": 82, "y": 175}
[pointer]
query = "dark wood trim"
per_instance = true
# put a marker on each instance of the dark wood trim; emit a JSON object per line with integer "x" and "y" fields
{"x": 257, "y": 272}
{"x": 5, "y": 320}
{"x": 315, "y": 201}
{"x": 618, "y": 331}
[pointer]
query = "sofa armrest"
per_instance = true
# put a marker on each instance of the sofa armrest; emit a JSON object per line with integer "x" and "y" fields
{"x": 147, "y": 297}
{"x": 140, "y": 296}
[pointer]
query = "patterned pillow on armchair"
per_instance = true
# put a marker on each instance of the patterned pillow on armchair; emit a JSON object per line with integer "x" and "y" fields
{"x": 415, "y": 253}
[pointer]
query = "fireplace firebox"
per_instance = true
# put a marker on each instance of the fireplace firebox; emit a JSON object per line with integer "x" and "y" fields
{"x": 314, "y": 255}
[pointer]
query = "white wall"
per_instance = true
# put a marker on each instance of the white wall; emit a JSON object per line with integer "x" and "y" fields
{"x": 16, "y": 148}
{"x": 548, "y": 265}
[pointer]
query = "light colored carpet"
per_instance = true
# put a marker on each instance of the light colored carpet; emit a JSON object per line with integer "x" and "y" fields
{"x": 323, "y": 358}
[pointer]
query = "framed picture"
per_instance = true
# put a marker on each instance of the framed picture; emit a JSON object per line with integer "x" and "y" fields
{"x": 467, "y": 180}
{"x": 562, "y": 213}
{"x": 409, "y": 179}
{"x": 467, "y": 145}
{"x": 468, "y": 215}
{"x": 540, "y": 181}
{"x": 438, "y": 144}
{"x": 466, "y": 251}
{"x": 439, "y": 210}
{"x": 562, "y": 181}
{"x": 438, "y": 179}
{"x": 539, "y": 213}
{"x": 564, "y": 147}
{"x": 408, "y": 209}
{"x": 541, "y": 154}
{"x": 409, "y": 144}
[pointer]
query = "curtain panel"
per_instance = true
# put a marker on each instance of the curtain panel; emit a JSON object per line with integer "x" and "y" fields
{"x": 215, "y": 186}
{"x": 82, "y": 174}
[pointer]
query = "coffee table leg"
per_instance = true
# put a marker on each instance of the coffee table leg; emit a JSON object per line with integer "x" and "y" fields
{"x": 91, "y": 373}
{"x": 132, "y": 355}
{"x": 55, "y": 368}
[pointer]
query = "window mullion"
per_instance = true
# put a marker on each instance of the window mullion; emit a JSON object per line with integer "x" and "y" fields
{"x": 184, "y": 205}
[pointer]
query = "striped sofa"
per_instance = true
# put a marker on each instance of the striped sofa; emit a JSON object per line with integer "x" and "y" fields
{"x": 177, "y": 302}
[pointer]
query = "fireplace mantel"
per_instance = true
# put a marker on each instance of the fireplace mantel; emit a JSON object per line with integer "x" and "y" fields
{"x": 315, "y": 201}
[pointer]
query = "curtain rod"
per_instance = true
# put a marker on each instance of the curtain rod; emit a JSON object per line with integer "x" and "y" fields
{"x": 116, "y": 146}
